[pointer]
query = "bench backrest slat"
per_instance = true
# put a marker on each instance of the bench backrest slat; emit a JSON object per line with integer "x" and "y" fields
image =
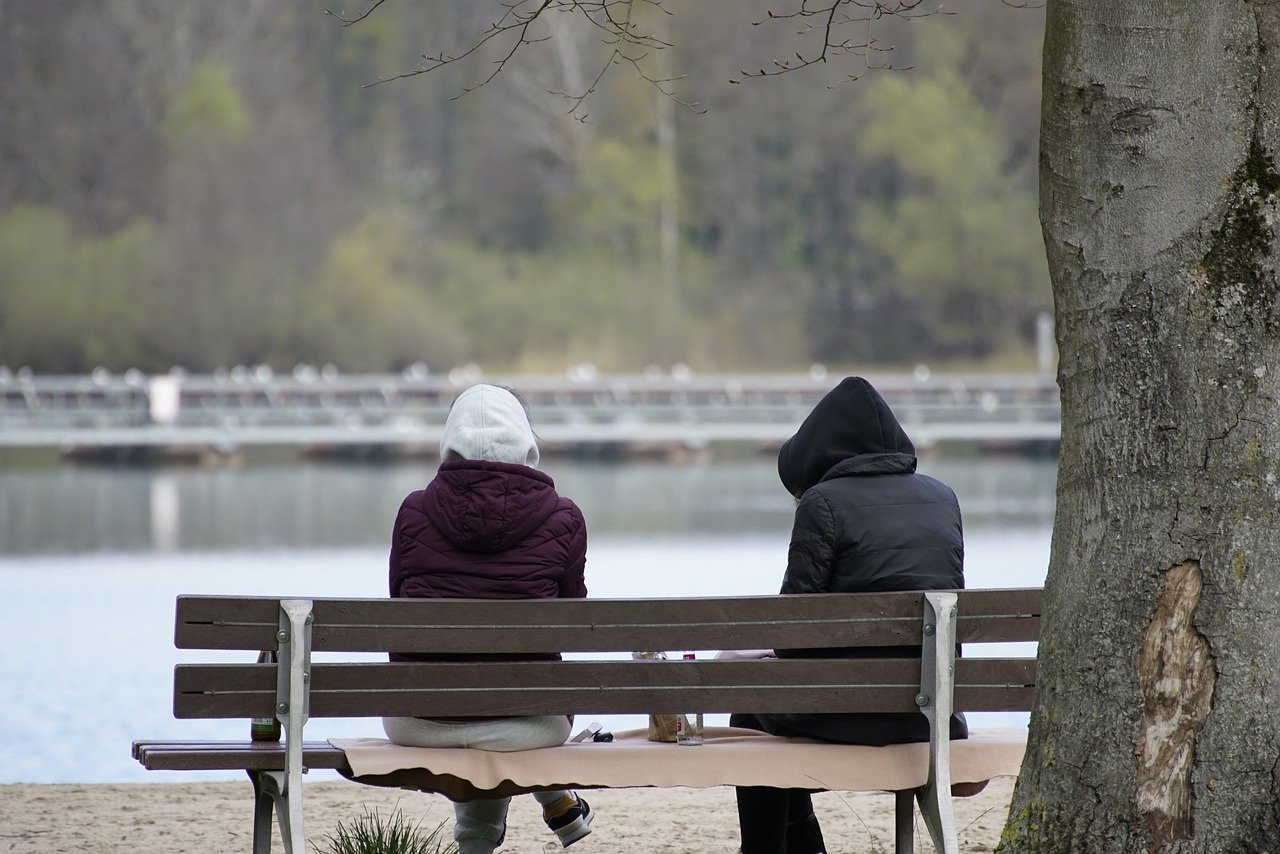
{"x": 547, "y": 701}
{"x": 600, "y": 625}
{"x": 587, "y": 687}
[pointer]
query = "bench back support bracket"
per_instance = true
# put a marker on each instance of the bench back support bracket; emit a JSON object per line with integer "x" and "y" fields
{"x": 293, "y": 706}
{"x": 937, "y": 685}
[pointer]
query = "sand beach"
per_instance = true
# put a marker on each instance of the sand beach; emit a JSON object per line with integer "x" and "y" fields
{"x": 212, "y": 818}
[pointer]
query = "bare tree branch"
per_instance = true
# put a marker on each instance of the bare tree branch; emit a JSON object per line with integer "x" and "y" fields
{"x": 830, "y": 21}
{"x": 346, "y": 22}
{"x": 621, "y": 34}
{"x": 833, "y": 17}
{"x": 513, "y": 20}
{"x": 630, "y": 45}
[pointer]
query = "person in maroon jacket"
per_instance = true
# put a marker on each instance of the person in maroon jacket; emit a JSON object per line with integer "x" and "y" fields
{"x": 490, "y": 526}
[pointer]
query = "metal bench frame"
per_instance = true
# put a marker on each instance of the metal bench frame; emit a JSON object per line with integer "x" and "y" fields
{"x": 279, "y": 791}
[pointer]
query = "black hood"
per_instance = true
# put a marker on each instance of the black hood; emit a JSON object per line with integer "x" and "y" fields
{"x": 851, "y": 421}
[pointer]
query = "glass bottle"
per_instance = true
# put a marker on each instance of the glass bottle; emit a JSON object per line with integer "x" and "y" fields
{"x": 661, "y": 727}
{"x": 689, "y": 727}
{"x": 265, "y": 729}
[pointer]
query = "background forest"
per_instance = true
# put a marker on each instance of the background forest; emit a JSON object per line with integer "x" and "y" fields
{"x": 207, "y": 184}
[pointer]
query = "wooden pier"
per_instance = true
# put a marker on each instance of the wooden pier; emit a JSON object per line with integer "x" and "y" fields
{"x": 223, "y": 413}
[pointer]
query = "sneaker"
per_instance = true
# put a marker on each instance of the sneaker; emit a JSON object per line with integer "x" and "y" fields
{"x": 572, "y": 824}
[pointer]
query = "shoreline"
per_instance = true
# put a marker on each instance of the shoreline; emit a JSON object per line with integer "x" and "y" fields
{"x": 177, "y": 816}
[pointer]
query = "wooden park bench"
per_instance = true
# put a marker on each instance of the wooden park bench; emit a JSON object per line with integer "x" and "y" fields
{"x": 298, "y": 688}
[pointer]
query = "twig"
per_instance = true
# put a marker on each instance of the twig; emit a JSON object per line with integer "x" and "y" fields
{"x": 629, "y": 45}
{"x": 511, "y": 21}
{"x": 832, "y": 16}
{"x": 848, "y": 805}
{"x": 976, "y": 820}
{"x": 346, "y": 22}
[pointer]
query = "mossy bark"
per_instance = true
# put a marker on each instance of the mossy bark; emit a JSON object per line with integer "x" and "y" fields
{"x": 1156, "y": 725}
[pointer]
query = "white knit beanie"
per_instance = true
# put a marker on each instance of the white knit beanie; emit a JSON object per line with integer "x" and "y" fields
{"x": 489, "y": 423}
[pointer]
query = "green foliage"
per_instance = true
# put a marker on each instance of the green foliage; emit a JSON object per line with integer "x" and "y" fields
{"x": 373, "y": 833}
{"x": 368, "y": 310}
{"x": 195, "y": 219}
{"x": 70, "y": 302}
{"x": 617, "y": 202}
{"x": 209, "y": 109}
{"x": 956, "y": 236}
{"x": 548, "y": 310}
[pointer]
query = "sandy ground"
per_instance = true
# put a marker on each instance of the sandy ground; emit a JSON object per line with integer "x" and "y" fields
{"x": 216, "y": 817}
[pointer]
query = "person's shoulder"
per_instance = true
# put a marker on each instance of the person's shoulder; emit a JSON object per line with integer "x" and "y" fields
{"x": 413, "y": 509}
{"x": 822, "y": 499}
{"x": 937, "y": 487}
{"x": 566, "y": 515}
{"x": 933, "y": 482}
{"x": 833, "y": 491}
{"x": 414, "y": 500}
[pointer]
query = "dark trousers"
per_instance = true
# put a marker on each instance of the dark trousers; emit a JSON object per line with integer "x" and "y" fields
{"x": 775, "y": 821}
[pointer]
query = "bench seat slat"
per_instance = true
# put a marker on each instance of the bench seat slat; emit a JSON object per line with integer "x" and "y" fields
{"x": 232, "y": 755}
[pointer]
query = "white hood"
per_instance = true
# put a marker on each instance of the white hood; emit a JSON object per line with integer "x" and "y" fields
{"x": 489, "y": 423}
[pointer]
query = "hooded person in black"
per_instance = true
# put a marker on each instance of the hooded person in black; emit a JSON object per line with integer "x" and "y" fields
{"x": 865, "y": 521}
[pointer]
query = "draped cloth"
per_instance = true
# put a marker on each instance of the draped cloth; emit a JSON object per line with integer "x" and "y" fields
{"x": 728, "y": 757}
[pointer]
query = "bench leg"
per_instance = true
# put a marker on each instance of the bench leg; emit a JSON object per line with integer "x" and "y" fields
{"x": 904, "y": 841}
{"x": 935, "y": 809}
{"x": 269, "y": 797}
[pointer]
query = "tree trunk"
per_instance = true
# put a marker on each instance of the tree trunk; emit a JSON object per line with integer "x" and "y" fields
{"x": 1156, "y": 725}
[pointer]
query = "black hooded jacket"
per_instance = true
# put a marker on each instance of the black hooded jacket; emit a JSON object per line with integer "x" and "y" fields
{"x": 866, "y": 521}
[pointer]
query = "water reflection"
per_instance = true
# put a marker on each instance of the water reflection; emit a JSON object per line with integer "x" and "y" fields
{"x": 70, "y": 510}
{"x": 165, "y": 520}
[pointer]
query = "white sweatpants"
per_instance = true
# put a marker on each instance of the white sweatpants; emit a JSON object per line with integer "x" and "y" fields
{"x": 480, "y": 825}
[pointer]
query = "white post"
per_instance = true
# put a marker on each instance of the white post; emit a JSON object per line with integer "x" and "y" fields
{"x": 164, "y": 397}
{"x": 293, "y": 706}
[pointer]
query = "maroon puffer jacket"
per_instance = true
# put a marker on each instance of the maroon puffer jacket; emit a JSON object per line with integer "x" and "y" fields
{"x": 488, "y": 530}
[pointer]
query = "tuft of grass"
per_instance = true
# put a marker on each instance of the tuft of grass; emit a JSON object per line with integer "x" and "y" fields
{"x": 373, "y": 833}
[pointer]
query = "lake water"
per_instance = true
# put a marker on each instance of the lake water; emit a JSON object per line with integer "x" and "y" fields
{"x": 91, "y": 560}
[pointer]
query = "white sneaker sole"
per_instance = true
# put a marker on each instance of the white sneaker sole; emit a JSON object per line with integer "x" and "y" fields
{"x": 576, "y": 829}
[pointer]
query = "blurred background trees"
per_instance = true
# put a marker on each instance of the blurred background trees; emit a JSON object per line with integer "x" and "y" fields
{"x": 200, "y": 184}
